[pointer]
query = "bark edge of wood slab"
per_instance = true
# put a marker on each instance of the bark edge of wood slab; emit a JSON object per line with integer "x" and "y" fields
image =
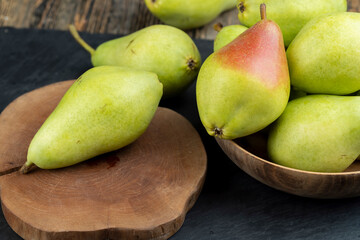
{"x": 250, "y": 154}
{"x": 142, "y": 191}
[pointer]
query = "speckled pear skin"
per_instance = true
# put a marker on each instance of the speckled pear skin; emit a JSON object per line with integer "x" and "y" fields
{"x": 290, "y": 15}
{"x": 227, "y": 35}
{"x": 106, "y": 109}
{"x": 164, "y": 50}
{"x": 244, "y": 86}
{"x": 319, "y": 133}
{"x": 188, "y": 14}
{"x": 323, "y": 57}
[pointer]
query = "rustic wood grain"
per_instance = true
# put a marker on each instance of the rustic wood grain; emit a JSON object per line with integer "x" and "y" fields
{"x": 250, "y": 155}
{"x": 353, "y": 5}
{"x": 100, "y": 16}
{"x": 142, "y": 191}
{"x": 18, "y": 131}
{"x": 94, "y": 16}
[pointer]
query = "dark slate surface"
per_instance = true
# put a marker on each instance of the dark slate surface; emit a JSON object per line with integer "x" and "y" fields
{"x": 232, "y": 205}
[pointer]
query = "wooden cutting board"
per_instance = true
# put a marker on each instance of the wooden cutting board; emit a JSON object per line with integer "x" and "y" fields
{"x": 142, "y": 191}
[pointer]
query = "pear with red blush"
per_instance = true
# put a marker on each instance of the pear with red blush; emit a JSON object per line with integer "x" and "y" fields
{"x": 244, "y": 86}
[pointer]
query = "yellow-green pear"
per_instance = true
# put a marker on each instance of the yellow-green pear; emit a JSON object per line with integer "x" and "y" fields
{"x": 244, "y": 86}
{"x": 105, "y": 109}
{"x": 318, "y": 133}
{"x": 323, "y": 57}
{"x": 164, "y": 50}
{"x": 290, "y": 15}
{"x": 187, "y": 14}
{"x": 227, "y": 34}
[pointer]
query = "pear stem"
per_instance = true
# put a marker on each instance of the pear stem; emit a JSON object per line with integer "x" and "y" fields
{"x": 263, "y": 11}
{"x": 81, "y": 41}
{"x": 218, "y": 26}
{"x": 26, "y": 167}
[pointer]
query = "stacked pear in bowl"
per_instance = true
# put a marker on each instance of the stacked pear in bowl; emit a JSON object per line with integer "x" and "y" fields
{"x": 322, "y": 130}
{"x": 318, "y": 133}
{"x": 323, "y": 57}
{"x": 244, "y": 86}
{"x": 312, "y": 139}
{"x": 291, "y": 16}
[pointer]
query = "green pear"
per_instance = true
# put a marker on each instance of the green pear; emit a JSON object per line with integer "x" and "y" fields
{"x": 291, "y": 15}
{"x": 318, "y": 133}
{"x": 106, "y": 109}
{"x": 244, "y": 86}
{"x": 227, "y": 34}
{"x": 164, "y": 50}
{"x": 187, "y": 14}
{"x": 323, "y": 57}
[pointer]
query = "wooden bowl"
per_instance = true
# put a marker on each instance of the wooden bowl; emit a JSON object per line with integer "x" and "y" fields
{"x": 250, "y": 154}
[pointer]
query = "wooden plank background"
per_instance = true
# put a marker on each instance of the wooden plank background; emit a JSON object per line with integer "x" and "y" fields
{"x": 99, "y": 16}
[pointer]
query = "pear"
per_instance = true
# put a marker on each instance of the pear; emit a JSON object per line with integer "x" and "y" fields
{"x": 291, "y": 15}
{"x": 164, "y": 50}
{"x": 323, "y": 57}
{"x": 244, "y": 86}
{"x": 107, "y": 108}
{"x": 318, "y": 133}
{"x": 187, "y": 14}
{"x": 227, "y": 34}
